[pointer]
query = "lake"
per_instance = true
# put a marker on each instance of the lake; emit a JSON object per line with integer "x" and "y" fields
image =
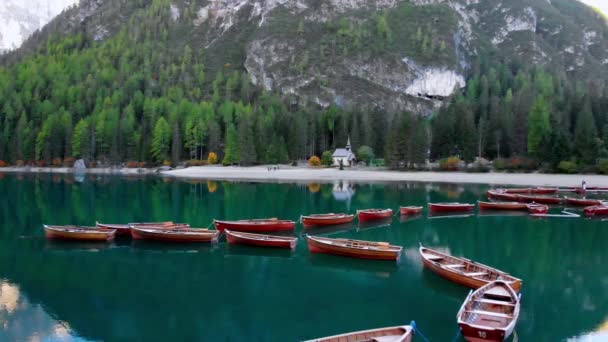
{"x": 137, "y": 291}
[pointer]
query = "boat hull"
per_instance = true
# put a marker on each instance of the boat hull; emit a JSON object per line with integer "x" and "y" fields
{"x": 596, "y": 210}
{"x": 236, "y": 239}
{"x": 450, "y": 208}
{"x": 364, "y": 215}
{"x": 582, "y": 202}
{"x": 121, "y": 229}
{"x": 396, "y": 334}
{"x": 78, "y": 235}
{"x": 168, "y": 235}
{"x": 312, "y": 221}
{"x": 501, "y": 195}
{"x": 461, "y": 279}
{"x": 534, "y": 208}
{"x": 478, "y": 334}
{"x": 410, "y": 210}
{"x": 502, "y": 206}
{"x": 539, "y": 199}
{"x": 256, "y": 226}
{"x": 318, "y": 247}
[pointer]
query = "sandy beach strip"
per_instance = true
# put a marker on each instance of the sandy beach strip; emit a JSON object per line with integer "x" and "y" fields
{"x": 332, "y": 174}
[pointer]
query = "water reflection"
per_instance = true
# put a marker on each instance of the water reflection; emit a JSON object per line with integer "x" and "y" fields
{"x": 24, "y": 321}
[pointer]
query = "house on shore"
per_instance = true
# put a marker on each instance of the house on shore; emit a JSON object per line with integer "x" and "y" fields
{"x": 344, "y": 155}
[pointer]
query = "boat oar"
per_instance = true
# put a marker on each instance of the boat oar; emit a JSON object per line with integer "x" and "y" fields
{"x": 418, "y": 332}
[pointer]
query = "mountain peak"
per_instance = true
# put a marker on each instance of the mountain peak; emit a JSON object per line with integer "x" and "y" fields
{"x": 19, "y": 19}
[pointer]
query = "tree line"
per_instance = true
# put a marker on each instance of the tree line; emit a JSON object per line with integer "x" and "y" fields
{"x": 132, "y": 97}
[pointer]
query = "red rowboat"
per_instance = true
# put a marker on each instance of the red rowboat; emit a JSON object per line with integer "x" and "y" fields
{"x": 464, "y": 271}
{"x": 326, "y": 219}
{"x": 354, "y": 248}
{"x": 450, "y": 207}
{"x": 411, "y": 210}
{"x": 260, "y": 240}
{"x": 535, "y": 208}
{"x": 78, "y": 233}
{"x": 160, "y": 233}
{"x": 489, "y": 313}
{"x": 596, "y": 210}
{"x": 392, "y": 334}
{"x": 374, "y": 214}
{"x": 583, "y": 202}
{"x": 539, "y": 199}
{"x": 260, "y": 225}
{"x": 502, "y": 205}
{"x": 517, "y": 190}
{"x": 501, "y": 195}
{"x": 125, "y": 229}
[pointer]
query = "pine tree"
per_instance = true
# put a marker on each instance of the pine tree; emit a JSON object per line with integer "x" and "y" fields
{"x": 161, "y": 140}
{"x": 538, "y": 124}
{"x": 81, "y": 139}
{"x": 586, "y": 141}
{"x": 231, "y": 151}
{"x": 246, "y": 144}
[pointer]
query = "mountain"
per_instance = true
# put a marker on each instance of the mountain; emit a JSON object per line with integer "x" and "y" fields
{"x": 19, "y": 19}
{"x": 403, "y": 54}
{"x": 290, "y": 78}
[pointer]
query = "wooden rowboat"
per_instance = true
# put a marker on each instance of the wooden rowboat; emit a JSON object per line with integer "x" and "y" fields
{"x": 489, "y": 313}
{"x": 543, "y": 191}
{"x": 354, "y": 248}
{"x": 502, "y": 195}
{"x": 411, "y": 210}
{"x": 464, "y": 271}
{"x": 502, "y": 205}
{"x": 536, "y": 208}
{"x": 260, "y": 240}
{"x": 374, "y": 214}
{"x": 539, "y": 199}
{"x": 391, "y": 334}
{"x": 78, "y": 233}
{"x": 178, "y": 234}
{"x": 125, "y": 229}
{"x": 450, "y": 207}
{"x": 583, "y": 202}
{"x": 257, "y": 225}
{"x": 596, "y": 210}
{"x": 326, "y": 219}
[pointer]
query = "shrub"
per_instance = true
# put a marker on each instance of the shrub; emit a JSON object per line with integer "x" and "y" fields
{"x": 212, "y": 158}
{"x": 500, "y": 164}
{"x": 327, "y": 159}
{"x": 69, "y": 162}
{"x": 449, "y": 163}
{"x": 167, "y": 163}
{"x": 365, "y": 153}
{"x": 314, "y": 161}
{"x": 133, "y": 164}
{"x": 566, "y": 166}
{"x": 20, "y": 163}
{"x": 142, "y": 164}
{"x": 196, "y": 162}
{"x": 602, "y": 166}
{"x": 56, "y": 162}
{"x": 3, "y": 163}
{"x": 41, "y": 163}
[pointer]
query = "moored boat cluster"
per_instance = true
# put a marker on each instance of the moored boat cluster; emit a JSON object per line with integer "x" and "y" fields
{"x": 487, "y": 314}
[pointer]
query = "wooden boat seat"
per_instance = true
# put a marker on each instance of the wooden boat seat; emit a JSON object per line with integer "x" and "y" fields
{"x": 385, "y": 338}
{"x": 454, "y": 266}
{"x": 490, "y": 313}
{"x": 433, "y": 257}
{"x": 476, "y": 274}
{"x": 495, "y": 302}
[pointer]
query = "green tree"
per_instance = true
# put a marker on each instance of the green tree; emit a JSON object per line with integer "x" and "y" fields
{"x": 161, "y": 140}
{"x": 365, "y": 153}
{"x": 327, "y": 159}
{"x": 539, "y": 125}
{"x": 81, "y": 139}
{"x": 586, "y": 142}
{"x": 231, "y": 152}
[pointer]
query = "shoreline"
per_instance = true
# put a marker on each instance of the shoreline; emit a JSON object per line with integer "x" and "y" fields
{"x": 299, "y": 174}
{"x": 259, "y": 173}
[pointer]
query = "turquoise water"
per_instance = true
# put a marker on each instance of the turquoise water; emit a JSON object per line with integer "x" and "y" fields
{"x": 126, "y": 291}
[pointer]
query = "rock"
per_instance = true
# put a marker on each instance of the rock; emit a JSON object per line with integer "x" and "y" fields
{"x": 164, "y": 168}
{"x": 79, "y": 165}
